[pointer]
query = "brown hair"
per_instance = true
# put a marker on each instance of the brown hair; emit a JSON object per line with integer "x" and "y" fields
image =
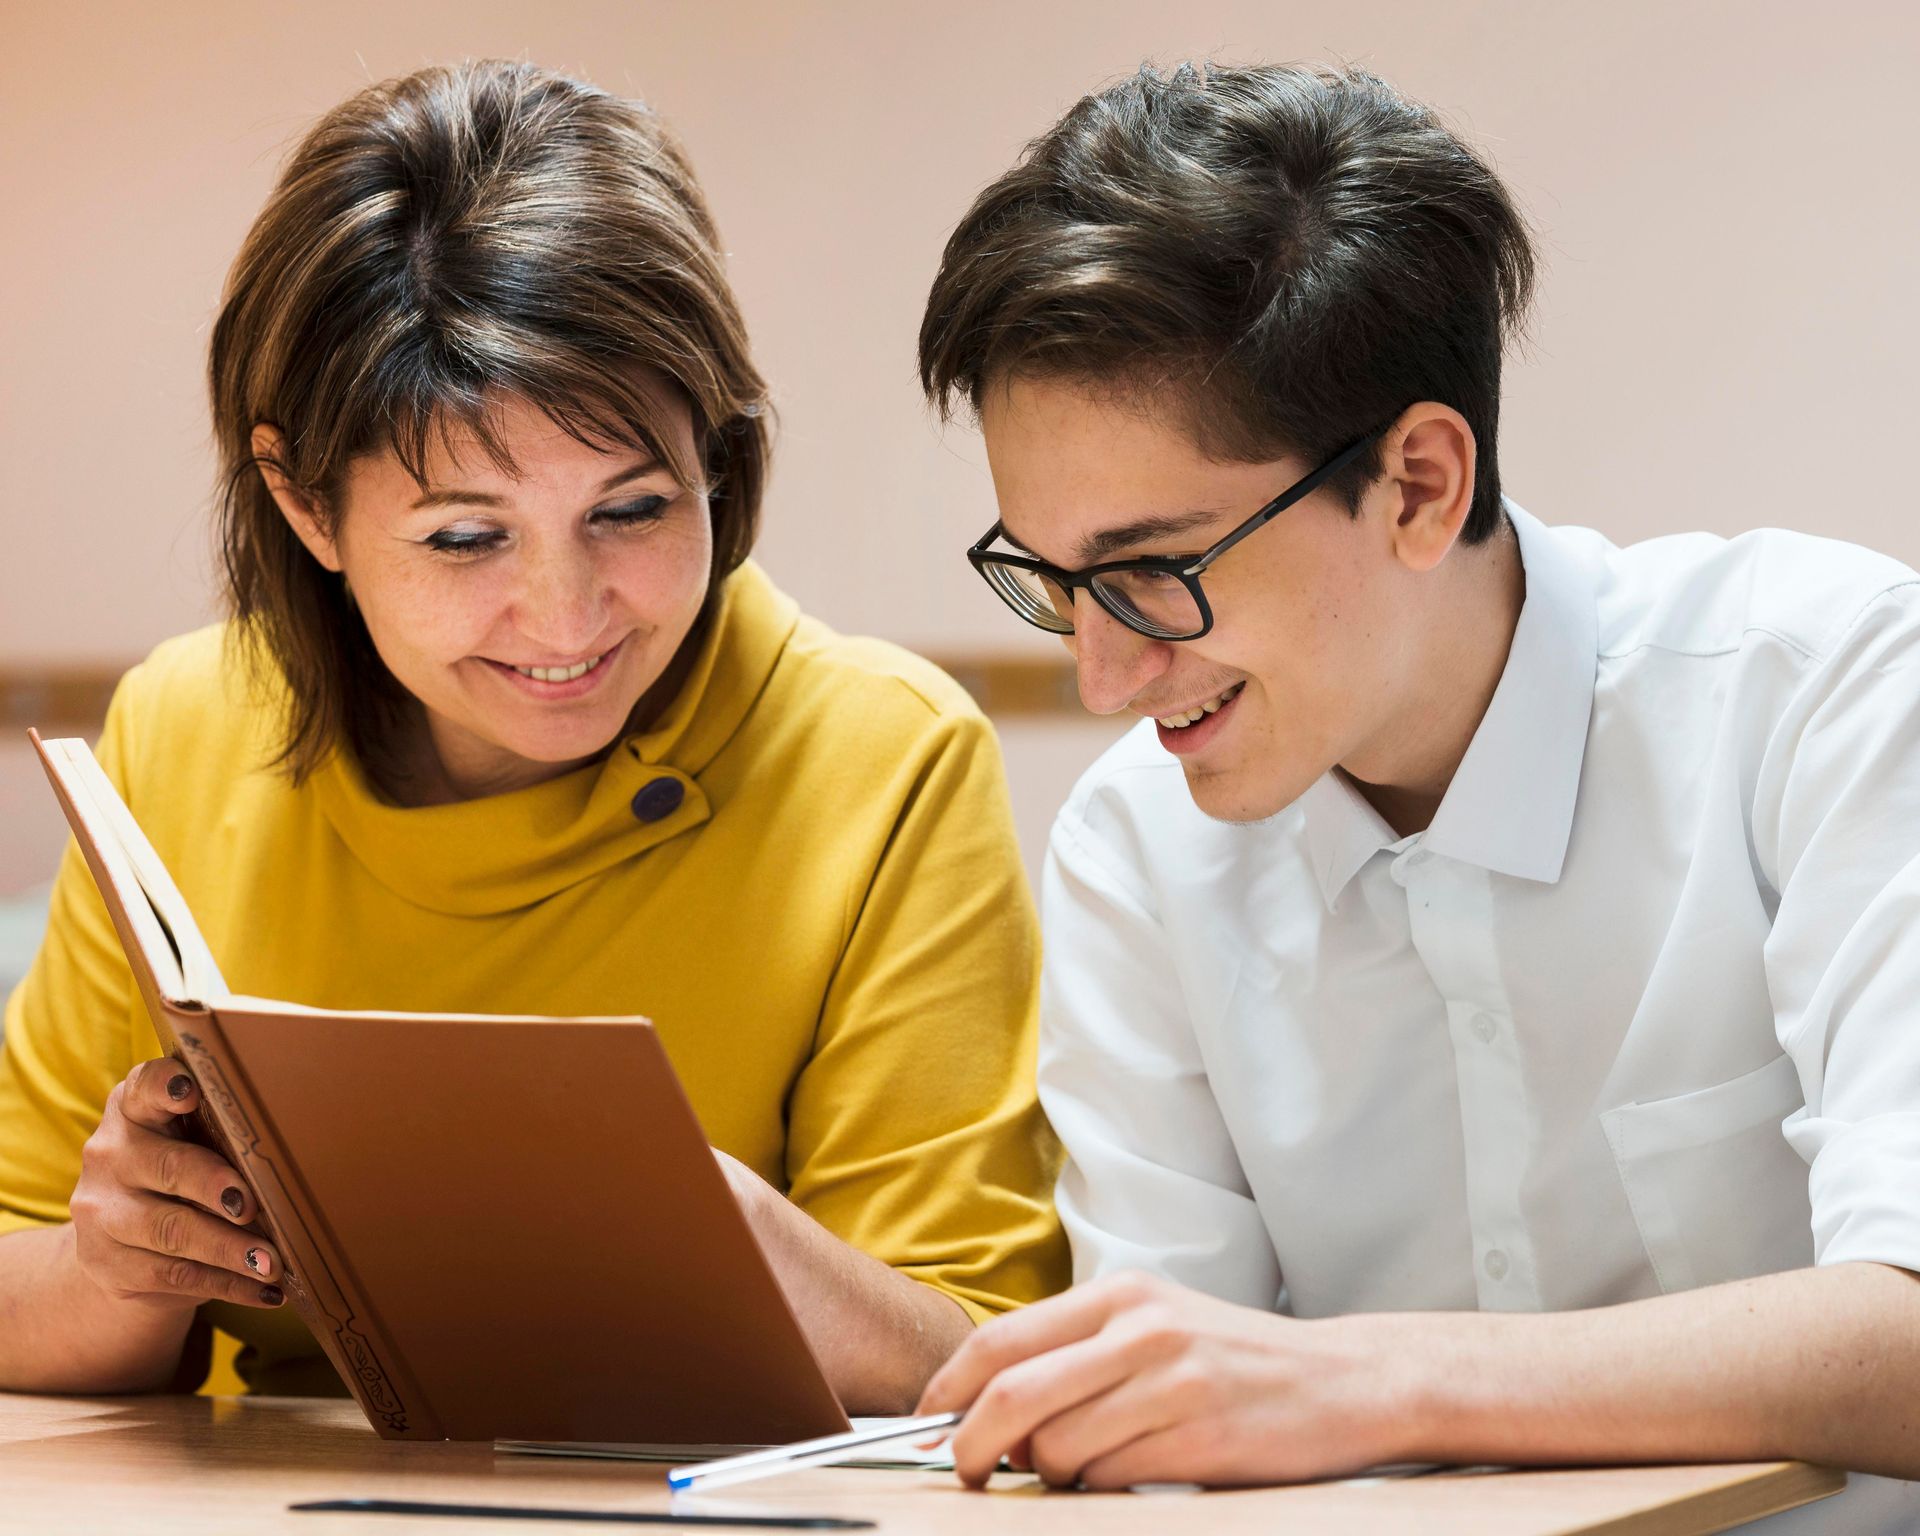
{"x": 433, "y": 244}
{"x": 1293, "y": 253}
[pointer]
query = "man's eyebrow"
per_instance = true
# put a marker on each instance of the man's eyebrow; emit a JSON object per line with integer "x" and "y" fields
{"x": 1096, "y": 547}
{"x": 458, "y": 498}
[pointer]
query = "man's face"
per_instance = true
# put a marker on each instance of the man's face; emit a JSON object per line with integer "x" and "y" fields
{"x": 1312, "y": 626}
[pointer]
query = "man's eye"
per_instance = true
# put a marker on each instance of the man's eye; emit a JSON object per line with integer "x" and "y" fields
{"x": 645, "y": 510}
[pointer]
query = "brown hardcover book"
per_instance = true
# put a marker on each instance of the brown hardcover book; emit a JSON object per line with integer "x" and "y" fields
{"x": 496, "y": 1227}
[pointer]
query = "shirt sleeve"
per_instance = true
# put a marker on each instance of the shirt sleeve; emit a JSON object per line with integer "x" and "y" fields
{"x": 70, "y": 1031}
{"x": 931, "y": 1017}
{"x": 1152, "y": 1180}
{"x": 1837, "y": 833}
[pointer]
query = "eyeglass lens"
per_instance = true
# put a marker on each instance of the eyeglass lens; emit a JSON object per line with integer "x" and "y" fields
{"x": 1156, "y": 603}
{"x": 1034, "y": 597}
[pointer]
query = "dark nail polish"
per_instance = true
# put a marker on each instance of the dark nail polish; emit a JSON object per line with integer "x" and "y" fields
{"x": 272, "y": 1295}
{"x": 253, "y": 1260}
{"x": 179, "y": 1087}
{"x": 233, "y": 1202}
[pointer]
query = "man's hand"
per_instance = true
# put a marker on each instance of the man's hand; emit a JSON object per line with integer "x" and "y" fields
{"x": 1136, "y": 1380}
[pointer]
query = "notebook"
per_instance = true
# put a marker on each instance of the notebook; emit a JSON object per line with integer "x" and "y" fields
{"x": 497, "y": 1227}
{"x": 901, "y": 1455}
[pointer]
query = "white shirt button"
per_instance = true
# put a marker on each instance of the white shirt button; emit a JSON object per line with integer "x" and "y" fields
{"x": 1483, "y": 1028}
{"x": 1495, "y": 1264}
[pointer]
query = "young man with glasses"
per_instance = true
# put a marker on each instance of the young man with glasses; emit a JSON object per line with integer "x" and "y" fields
{"x": 1483, "y": 1008}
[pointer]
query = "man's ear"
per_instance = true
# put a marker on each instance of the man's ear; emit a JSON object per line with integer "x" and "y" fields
{"x": 1427, "y": 460}
{"x": 268, "y": 447}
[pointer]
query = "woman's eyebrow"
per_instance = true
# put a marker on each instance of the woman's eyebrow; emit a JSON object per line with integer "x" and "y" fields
{"x": 456, "y": 497}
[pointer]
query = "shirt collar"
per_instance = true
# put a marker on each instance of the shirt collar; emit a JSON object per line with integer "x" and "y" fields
{"x": 498, "y": 854}
{"x": 748, "y": 636}
{"x": 1509, "y": 807}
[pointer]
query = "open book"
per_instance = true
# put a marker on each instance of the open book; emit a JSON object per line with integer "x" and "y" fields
{"x": 496, "y": 1227}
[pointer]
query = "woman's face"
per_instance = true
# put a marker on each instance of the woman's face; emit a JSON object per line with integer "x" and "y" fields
{"x": 528, "y": 612}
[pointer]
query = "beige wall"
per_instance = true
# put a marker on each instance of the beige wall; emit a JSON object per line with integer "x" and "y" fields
{"x": 1724, "y": 193}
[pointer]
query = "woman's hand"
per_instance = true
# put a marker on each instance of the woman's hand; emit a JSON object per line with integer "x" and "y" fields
{"x": 158, "y": 1219}
{"x": 878, "y": 1334}
{"x": 746, "y": 1186}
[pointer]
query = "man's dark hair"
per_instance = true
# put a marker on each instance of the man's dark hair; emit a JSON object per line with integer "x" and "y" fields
{"x": 1288, "y": 255}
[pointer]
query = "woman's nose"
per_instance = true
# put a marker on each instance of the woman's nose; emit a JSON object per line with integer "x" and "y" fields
{"x": 562, "y": 601}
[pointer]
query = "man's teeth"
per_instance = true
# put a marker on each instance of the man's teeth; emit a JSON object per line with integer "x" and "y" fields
{"x": 560, "y": 674}
{"x": 1181, "y": 722}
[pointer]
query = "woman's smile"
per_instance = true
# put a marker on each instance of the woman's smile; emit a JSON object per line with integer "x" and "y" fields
{"x": 559, "y": 682}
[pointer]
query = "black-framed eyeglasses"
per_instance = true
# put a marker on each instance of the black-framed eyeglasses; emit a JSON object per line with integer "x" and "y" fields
{"x": 1157, "y": 596}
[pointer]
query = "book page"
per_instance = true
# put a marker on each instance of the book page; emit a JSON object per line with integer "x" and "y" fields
{"x": 182, "y": 962}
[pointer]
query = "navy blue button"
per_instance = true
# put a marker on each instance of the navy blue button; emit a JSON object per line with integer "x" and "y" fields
{"x": 659, "y": 800}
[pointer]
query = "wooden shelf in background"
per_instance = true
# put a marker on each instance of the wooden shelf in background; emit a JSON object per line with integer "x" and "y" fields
{"x": 63, "y": 699}
{"x": 70, "y": 698}
{"x": 1006, "y": 686}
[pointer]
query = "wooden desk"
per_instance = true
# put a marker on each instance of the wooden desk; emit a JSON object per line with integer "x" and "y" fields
{"x": 211, "y": 1465}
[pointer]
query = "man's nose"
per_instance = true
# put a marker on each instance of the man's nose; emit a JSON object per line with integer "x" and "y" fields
{"x": 1113, "y": 663}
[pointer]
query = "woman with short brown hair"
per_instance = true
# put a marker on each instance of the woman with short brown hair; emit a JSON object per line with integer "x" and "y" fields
{"x": 505, "y": 720}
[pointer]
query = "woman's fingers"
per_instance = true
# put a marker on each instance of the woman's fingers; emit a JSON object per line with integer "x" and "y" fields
{"x": 155, "y": 1274}
{"x": 157, "y": 1215}
{"x": 186, "y": 1171}
{"x": 155, "y": 1093}
{"x": 172, "y": 1229}
{"x": 175, "y": 1230}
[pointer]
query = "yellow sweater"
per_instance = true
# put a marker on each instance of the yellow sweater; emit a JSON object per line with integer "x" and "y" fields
{"x": 825, "y": 918}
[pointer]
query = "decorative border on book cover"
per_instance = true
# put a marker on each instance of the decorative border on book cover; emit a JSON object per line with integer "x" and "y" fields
{"x": 354, "y": 1345}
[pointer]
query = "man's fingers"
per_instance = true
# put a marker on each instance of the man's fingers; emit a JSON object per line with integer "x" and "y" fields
{"x": 156, "y": 1092}
{"x": 156, "y": 1274}
{"x": 1019, "y": 1406}
{"x": 1165, "y": 1455}
{"x": 1035, "y": 1330}
{"x": 1099, "y": 1427}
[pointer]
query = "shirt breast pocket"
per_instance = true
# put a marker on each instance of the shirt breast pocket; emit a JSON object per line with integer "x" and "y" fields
{"x": 1716, "y": 1191}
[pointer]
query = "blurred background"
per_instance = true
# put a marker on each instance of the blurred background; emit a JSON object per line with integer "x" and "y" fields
{"x": 1723, "y": 192}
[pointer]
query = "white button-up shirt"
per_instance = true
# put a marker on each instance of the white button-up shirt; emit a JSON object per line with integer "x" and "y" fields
{"x": 1640, "y": 1011}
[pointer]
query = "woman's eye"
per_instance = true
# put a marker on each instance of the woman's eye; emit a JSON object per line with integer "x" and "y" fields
{"x": 479, "y": 541}
{"x": 457, "y": 541}
{"x": 645, "y": 510}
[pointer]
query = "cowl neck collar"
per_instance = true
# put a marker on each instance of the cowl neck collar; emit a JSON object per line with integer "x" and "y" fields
{"x": 504, "y": 852}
